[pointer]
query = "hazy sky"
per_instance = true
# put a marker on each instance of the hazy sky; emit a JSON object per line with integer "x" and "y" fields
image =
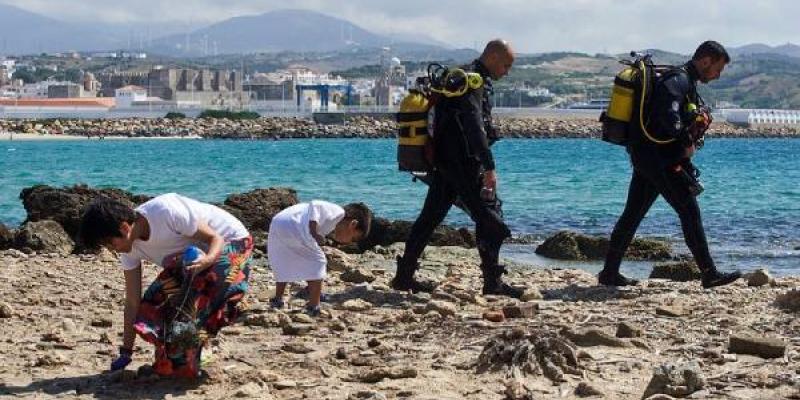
{"x": 531, "y": 25}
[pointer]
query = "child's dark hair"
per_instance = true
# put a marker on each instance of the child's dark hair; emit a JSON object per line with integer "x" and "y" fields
{"x": 361, "y": 213}
{"x": 101, "y": 219}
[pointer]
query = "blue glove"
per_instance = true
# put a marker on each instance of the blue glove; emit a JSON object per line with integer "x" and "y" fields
{"x": 123, "y": 360}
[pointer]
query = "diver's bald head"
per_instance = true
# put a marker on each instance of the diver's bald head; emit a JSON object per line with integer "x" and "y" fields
{"x": 497, "y": 57}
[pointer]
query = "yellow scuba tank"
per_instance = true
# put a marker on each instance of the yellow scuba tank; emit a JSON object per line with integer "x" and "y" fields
{"x": 625, "y": 114}
{"x": 413, "y": 137}
{"x": 617, "y": 117}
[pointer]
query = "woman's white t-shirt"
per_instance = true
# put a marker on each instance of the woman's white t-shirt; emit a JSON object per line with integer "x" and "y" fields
{"x": 173, "y": 220}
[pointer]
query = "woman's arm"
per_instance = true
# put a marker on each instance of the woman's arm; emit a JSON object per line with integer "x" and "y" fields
{"x": 215, "y": 245}
{"x": 133, "y": 296}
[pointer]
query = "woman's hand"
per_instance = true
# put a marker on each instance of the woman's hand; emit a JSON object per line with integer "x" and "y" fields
{"x": 203, "y": 263}
{"x": 215, "y": 243}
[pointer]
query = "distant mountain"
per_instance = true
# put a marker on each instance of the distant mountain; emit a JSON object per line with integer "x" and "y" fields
{"x": 24, "y": 32}
{"x": 284, "y": 30}
{"x": 788, "y": 49}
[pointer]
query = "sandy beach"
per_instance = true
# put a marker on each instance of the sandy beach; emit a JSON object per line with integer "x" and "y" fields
{"x": 62, "y": 325}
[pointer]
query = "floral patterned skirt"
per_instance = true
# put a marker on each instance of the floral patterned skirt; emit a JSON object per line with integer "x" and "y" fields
{"x": 179, "y": 313}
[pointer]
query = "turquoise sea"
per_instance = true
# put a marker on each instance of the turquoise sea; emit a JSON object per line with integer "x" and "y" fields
{"x": 751, "y": 206}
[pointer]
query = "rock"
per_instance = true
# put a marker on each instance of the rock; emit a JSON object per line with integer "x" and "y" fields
{"x": 676, "y": 380}
{"x": 5, "y": 310}
{"x": 341, "y": 353}
{"x": 337, "y": 259}
{"x": 377, "y": 375}
{"x": 263, "y": 320}
{"x": 762, "y": 347}
{"x": 585, "y": 389}
{"x": 249, "y": 390}
{"x": 444, "y": 309}
{"x": 257, "y": 207}
{"x": 562, "y": 246}
{"x": 285, "y": 384}
{"x": 65, "y": 205}
{"x": 356, "y": 305}
{"x": 594, "y": 337}
{"x": 789, "y": 301}
{"x": 759, "y": 277}
{"x": 385, "y": 233}
{"x": 302, "y": 318}
{"x": 45, "y": 236}
{"x": 680, "y": 272}
{"x": 626, "y": 330}
{"x": 541, "y": 352}
{"x": 295, "y": 329}
{"x": 567, "y": 245}
{"x": 670, "y": 311}
{"x": 531, "y": 294}
{"x": 337, "y": 326}
{"x": 268, "y": 376}
{"x": 373, "y": 342}
{"x": 494, "y": 316}
{"x": 6, "y": 237}
{"x": 522, "y": 310}
{"x": 51, "y": 360}
{"x": 357, "y": 275}
{"x": 297, "y": 348}
{"x": 52, "y": 337}
{"x": 367, "y": 395}
{"x": 102, "y": 322}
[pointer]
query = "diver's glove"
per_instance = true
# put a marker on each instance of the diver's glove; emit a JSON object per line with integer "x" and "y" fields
{"x": 123, "y": 360}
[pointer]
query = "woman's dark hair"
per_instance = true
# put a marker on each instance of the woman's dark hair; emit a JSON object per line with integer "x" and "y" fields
{"x": 101, "y": 219}
{"x": 361, "y": 213}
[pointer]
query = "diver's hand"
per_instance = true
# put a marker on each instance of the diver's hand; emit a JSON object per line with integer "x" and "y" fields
{"x": 490, "y": 180}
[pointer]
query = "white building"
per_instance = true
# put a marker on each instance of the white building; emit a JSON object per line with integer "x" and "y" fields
{"x": 104, "y": 55}
{"x": 8, "y": 66}
{"x": 35, "y": 90}
{"x": 755, "y": 117}
{"x": 126, "y": 96}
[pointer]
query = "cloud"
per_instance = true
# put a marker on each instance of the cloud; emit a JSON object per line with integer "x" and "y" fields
{"x": 532, "y": 25}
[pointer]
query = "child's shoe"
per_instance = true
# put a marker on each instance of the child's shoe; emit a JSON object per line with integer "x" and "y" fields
{"x": 277, "y": 303}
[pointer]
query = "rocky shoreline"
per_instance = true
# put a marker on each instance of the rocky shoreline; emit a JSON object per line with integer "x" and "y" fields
{"x": 353, "y": 127}
{"x": 567, "y": 338}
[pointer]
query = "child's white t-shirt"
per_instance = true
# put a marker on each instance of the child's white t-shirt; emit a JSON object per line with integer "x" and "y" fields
{"x": 325, "y": 214}
{"x": 173, "y": 220}
{"x": 294, "y": 255}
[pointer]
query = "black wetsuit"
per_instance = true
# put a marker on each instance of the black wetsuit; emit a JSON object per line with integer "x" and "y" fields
{"x": 663, "y": 169}
{"x": 463, "y": 134}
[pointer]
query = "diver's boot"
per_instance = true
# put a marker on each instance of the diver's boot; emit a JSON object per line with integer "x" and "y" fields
{"x": 404, "y": 278}
{"x": 614, "y": 278}
{"x": 712, "y": 278}
{"x": 493, "y": 283}
{"x": 610, "y": 275}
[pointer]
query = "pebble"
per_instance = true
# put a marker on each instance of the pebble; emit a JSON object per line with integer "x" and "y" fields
{"x": 356, "y": 305}
{"x": 5, "y": 310}
{"x": 249, "y": 390}
{"x": 285, "y": 384}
